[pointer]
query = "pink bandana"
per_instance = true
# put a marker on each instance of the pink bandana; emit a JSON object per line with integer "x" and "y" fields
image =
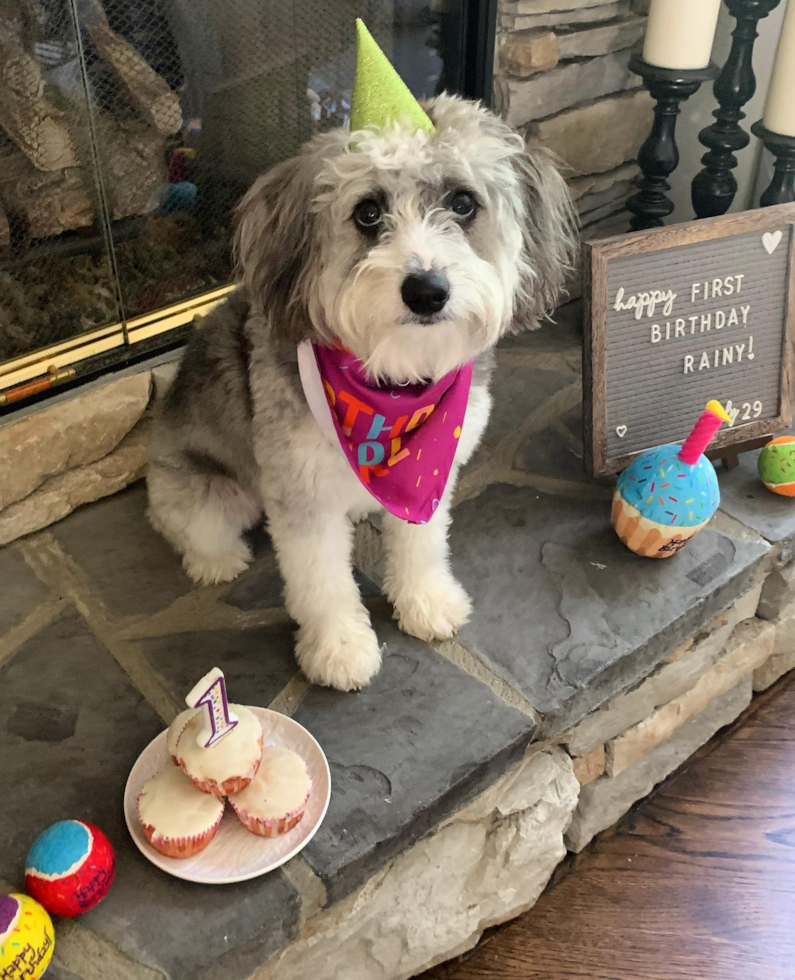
{"x": 400, "y": 441}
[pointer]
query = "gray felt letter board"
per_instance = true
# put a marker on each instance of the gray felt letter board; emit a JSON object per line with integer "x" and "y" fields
{"x": 678, "y": 315}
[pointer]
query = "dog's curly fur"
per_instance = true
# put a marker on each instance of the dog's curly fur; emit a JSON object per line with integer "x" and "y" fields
{"x": 234, "y": 437}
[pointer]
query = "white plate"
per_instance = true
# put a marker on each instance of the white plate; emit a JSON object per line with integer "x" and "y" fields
{"x": 235, "y": 854}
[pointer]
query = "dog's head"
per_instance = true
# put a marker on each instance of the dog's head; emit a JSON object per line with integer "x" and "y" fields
{"x": 416, "y": 251}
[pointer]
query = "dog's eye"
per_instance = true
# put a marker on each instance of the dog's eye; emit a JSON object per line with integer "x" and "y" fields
{"x": 463, "y": 204}
{"x": 367, "y": 215}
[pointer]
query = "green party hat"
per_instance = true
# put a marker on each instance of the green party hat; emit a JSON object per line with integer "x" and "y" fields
{"x": 380, "y": 96}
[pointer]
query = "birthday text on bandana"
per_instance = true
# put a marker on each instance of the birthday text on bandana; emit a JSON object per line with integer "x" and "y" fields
{"x": 371, "y": 455}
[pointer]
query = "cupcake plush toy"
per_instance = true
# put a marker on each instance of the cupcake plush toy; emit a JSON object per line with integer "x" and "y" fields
{"x": 667, "y": 495}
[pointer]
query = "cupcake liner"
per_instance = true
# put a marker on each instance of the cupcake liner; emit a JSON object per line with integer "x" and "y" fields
{"x": 234, "y": 784}
{"x": 179, "y": 847}
{"x": 273, "y": 826}
{"x": 645, "y": 537}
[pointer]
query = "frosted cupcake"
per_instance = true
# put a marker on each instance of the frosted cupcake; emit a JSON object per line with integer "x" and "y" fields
{"x": 175, "y": 729}
{"x": 231, "y": 763}
{"x": 668, "y": 494}
{"x": 179, "y": 820}
{"x": 275, "y": 800}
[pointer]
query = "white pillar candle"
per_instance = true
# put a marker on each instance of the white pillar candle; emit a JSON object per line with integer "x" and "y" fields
{"x": 680, "y": 33}
{"x": 780, "y": 106}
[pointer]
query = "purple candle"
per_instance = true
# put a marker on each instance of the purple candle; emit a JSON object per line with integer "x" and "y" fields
{"x": 210, "y": 693}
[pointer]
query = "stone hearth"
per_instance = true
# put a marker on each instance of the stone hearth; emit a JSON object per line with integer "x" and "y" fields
{"x": 462, "y": 774}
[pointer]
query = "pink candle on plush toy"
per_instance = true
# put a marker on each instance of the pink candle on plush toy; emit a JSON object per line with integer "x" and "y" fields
{"x": 701, "y": 436}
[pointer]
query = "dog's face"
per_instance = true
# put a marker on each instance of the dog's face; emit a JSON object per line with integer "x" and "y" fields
{"x": 416, "y": 251}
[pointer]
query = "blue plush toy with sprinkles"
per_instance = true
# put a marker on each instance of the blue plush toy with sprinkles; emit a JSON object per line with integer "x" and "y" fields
{"x": 666, "y": 495}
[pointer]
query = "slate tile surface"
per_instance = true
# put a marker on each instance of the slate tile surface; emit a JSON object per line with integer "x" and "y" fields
{"x": 514, "y": 399}
{"x": 549, "y": 454}
{"x": 565, "y": 612}
{"x": 257, "y": 663}
{"x": 744, "y": 497}
{"x": 72, "y": 726}
{"x": 563, "y": 332}
{"x": 128, "y": 564}
{"x": 404, "y": 753}
{"x": 260, "y": 587}
{"x": 55, "y": 972}
{"x": 21, "y": 590}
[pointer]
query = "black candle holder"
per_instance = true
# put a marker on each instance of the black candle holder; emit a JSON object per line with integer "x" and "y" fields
{"x": 659, "y": 155}
{"x": 782, "y": 187}
{"x": 714, "y": 187}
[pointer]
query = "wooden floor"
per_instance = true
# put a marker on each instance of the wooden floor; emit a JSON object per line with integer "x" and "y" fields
{"x": 698, "y": 883}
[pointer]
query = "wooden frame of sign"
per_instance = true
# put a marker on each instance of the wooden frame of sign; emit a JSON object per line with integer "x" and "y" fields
{"x": 678, "y": 315}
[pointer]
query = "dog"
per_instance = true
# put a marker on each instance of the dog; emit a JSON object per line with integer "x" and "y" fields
{"x": 417, "y": 252}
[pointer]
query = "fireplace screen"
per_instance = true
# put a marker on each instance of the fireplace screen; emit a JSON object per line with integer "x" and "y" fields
{"x": 130, "y": 128}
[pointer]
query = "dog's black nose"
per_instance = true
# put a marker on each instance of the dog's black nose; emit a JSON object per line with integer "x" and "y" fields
{"x": 425, "y": 292}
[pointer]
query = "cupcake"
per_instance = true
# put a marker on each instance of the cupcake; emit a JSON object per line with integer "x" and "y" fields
{"x": 175, "y": 729}
{"x": 177, "y": 818}
{"x": 668, "y": 494}
{"x": 274, "y": 801}
{"x": 642, "y": 533}
{"x": 228, "y": 766}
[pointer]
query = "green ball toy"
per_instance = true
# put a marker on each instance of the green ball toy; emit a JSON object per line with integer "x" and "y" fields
{"x": 776, "y": 466}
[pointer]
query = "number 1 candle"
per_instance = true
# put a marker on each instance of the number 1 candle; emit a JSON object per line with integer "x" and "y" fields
{"x": 210, "y": 693}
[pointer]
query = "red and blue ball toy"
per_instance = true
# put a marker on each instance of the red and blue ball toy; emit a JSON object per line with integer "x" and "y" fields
{"x": 70, "y": 868}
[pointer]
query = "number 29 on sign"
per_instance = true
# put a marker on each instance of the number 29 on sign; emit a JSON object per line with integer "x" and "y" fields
{"x": 745, "y": 412}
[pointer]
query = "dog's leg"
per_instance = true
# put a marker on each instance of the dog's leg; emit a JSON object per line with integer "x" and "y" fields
{"x": 336, "y": 645}
{"x": 203, "y": 518}
{"x": 429, "y": 602}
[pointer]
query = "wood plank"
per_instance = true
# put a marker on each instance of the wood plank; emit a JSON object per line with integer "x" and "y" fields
{"x": 698, "y": 883}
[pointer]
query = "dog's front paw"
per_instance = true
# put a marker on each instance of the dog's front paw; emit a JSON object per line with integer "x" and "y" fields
{"x": 341, "y": 652}
{"x": 433, "y": 609}
{"x": 211, "y": 570}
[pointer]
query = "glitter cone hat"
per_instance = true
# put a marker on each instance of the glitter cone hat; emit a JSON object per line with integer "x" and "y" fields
{"x": 380, "y": 96}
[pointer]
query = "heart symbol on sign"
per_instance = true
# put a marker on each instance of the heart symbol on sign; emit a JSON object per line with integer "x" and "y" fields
{"x": 621, "y": 431}
{"x": 732, "y": 412}
{"x": 770, "y": 240}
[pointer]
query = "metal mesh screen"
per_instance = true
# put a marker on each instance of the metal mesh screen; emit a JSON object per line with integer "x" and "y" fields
{"x": 130, "y": 128}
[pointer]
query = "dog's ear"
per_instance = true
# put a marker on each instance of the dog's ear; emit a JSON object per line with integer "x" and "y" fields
{"x": 273, "y": 247}
{"x": 550, "y": 236}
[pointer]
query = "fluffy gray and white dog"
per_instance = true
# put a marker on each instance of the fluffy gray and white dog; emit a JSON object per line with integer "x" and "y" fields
{"x": 417, "y": 252}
